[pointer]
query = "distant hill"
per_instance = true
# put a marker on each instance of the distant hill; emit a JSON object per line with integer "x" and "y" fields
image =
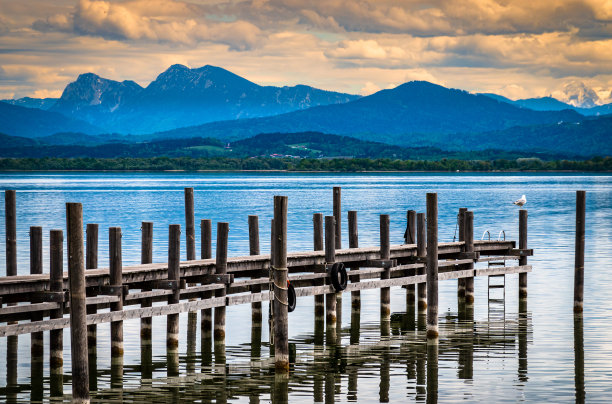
{"x": 32, "y": 122}
{"x": 552, "y": 104}
{"x": 591, "y": 137}
{"x": 28, "y": 102}
{"x": 413, "y": 114}
{"x": 180, "y": 97}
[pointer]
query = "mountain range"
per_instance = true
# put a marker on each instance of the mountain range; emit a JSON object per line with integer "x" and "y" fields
{"x": 211, "y": 102}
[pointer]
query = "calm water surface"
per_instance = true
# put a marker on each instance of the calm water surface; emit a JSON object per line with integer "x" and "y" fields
{"x": 493, "y": 355}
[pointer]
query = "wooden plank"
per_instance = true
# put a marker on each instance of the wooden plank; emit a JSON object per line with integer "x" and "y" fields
{"x": 27, "y": 308}
{"x": 520, "y": 252}
{"x": 248, "y": 298}
{"x": 503, "y": 270}
{"x": 442, "y": 264}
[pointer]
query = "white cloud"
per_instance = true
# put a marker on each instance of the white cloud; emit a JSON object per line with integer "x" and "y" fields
{"x": 369, "y": 88}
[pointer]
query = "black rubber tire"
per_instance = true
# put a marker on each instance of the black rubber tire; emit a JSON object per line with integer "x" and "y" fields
{"x": 291, "y": 298}
{"x": 338, "y": 276}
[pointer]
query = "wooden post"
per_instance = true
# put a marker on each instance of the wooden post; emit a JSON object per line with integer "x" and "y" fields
{"x": 281, "y": 320}
{"x": 221, "y": 268}
{"x": 78, "y": 319}
{"x": 36, "y": 267}
{"x": 579, "y": 255}
{"x": 10, "y": 211}
{"x": 410, "y": 238}
{"x": 36, "y": 338}
{"x": 116, "y": 281}
{"x": 330, "y": 258}
{"x": 91, "y": 262}
{"x": 421, "y": 253}
{"x": 146, "y": 257}
{"x": 385, "y": 252}
{"x": 254, "y": 250}
{"x": 190, "y": 225}
{"x": 56, "y": 340}
{"x": 468, "y": 234}
{"x": 461, "y": 237}
{"x": 174, "y": 260}
{"x": 432, "y": 266}
{"x": 354, "y": 243}
{"x": 319, "y": 300}
{"x": 338, "y": 216}
{"x": 206, "y": 253}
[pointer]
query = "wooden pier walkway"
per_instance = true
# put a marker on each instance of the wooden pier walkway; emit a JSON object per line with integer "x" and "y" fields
{"x": 32, "y": 304}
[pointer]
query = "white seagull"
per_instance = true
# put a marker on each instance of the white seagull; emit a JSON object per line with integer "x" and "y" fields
{"x": 520, "y": 202}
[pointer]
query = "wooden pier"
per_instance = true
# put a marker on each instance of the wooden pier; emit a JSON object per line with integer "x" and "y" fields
{"x": 38, "y": 302}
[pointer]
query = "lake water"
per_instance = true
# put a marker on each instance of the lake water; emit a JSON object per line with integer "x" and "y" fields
{"x": 498, "y": 355}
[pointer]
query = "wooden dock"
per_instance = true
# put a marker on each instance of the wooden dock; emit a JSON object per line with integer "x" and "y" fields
{"x": 32, "y": 304}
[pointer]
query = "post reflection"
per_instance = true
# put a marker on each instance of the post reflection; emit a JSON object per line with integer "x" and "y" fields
{"x": 579, "y": 358}
{"x": 432, "y": 373}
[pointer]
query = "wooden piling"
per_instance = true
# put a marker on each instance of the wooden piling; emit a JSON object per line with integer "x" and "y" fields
{"x": 579, "y": 254}
{"x": 468, "y": 234}
{"x": 330, "y": 258}
{"x": 36, "y": 267}
{"x": 421, "y": 253}
{"x": 116, "y": 276}
{"x": 36, "y": 338}
{"x": 410, "y": 238}
{"x": 523, "y": 215}
{"x": 354, "y": 243}
{"x": 206, "y": 316}
{"x": 338, "y": 216}
{"x": 56, "y": 339}
{"x": 254, "y": 250}
{"x": 91, "y": 262}
{"x": 146, "y": 257}
{"x": 174, "y": 259}
{"x": 221, "y": 268}
{"x": 432, "y": 266}
{"x": 10, "y": 211}
{"x": 461, "y": 237}
{"x": 319, "y": 300}
{"x": 385, "y": 252}
{"x": 78, "y": 319}
{"x": 281, "y": 320}
{"x": 190, "y": 225}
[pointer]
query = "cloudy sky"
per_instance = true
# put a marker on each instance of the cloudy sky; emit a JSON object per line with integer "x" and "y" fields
{"x": 517, "y": 48}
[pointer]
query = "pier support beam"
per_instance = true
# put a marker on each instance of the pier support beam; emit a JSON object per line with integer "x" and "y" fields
{"x": 385, "y": 252}
{"x": 172, "y": 324}
{"x": 206, "y": 316}
{"x": 579, "y": 257}
{"x": 91, "y": 262}
{"x": 221, "y": 265}
{"x": 337, "y": 210}
{"x": 523, "y": 245}
{"x": 254, "y": 250}
{"x": 56, "y": 337}
{"x": 330, "y": 258}
{"x": 10, "y": 215}
{"x": 461, "y": 237}
{"x": 36, "y": 338}
{"x": 354, "y": 243}
{"x": 116, "y": 276}
{"x": 432, "y": 266}
{"x": 319, "y": 300}
{"x": 146, "y": 257}
{"x": 78, "y": 319}
{"x": 281, "y": 320}
{"x": 421, "y": 253}
{"x": 410, "y": 238}
{"x": 468, "y": 235}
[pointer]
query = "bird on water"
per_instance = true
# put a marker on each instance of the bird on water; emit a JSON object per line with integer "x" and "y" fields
{"x": 521, "y": 201}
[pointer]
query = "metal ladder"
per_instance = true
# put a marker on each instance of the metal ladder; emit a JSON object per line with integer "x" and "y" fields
{"x": 498, "y": 308}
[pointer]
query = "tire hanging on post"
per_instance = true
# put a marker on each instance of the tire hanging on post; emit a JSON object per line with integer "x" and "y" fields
{"x": 291, "y": 298}
{"x": 338, "y": 276}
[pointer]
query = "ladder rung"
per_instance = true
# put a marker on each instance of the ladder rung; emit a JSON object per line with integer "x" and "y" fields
{"x": 496, "y": 286}
{"x": 497, "y": 276}
{"x": 492, "y": 263}
{"x": 497, "y": 301}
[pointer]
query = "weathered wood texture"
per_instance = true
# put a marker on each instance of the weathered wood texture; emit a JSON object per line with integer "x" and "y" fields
{"x": 281, "y": 321}
{"x": 432, "y": 265}
{"x": 206, "y": 316}
{"x": 319, "y": 300}
{"x": 116, "y": 268}
{"x": 78, "y": 319}
{"x": 10, "y": 216}
{"x": 523, "y": 245}
{"x": 254, "y": 250}
{"x": 56, "y": 284}
{"x": 221, "y": 268}
{"x": 461, "y": 237}
{"x": 91, "y": 262}
{"x": 146, "y": 257}
{"x": 385, "y": 252}
{"x": 421, "y": 252}
{"x": 354, "y": 243}
{"x": 330, "y": 257}
{"x": 410, "y": 238}
{"x": 174, "y": 257}
{"x": 579, "y": 254}
{"x": 337, "y": 208}
{"x": 468, "y": 234}
{"x": 36, "y": 267}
